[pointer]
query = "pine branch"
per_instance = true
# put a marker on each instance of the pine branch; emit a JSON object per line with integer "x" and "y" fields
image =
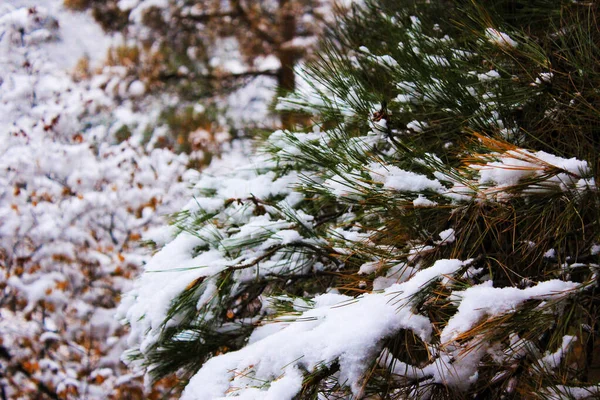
{"x": 270, "y": 252}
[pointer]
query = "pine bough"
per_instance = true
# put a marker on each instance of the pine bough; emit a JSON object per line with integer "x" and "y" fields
{"x": 432, "y": 236}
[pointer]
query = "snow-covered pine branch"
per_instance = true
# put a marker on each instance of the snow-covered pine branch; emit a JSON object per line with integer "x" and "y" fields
{"x": 433, "y": 236}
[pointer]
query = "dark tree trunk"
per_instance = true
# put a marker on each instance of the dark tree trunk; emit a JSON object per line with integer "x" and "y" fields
{"x": 286, "y": 78}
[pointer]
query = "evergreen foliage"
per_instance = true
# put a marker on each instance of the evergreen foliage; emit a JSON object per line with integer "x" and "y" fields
{"x": 435, "y": 235}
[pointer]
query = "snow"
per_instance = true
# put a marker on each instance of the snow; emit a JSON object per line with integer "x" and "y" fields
{"x": 288, "y": 236}
{"x": 552, "y": 361}
{"x": 344, "y": 186}
{"x": 137, "y": 88}
{"x": 544, "y": 77}
{"x": 447, "y": 236}
{"x": 488, "y": 76}
{"x": 560, "y": 392}
{"x": 127, "y": 4}
{"x": 369, "y": 267}
{"x": 417, "y": 126}
{"x": 422, "y": 201}
{"x": 301, "y": 42}
{"x": 350, "y": 331}
{"x": 398, "y": 179}
{"x": 513, "y": 166}
{"x": 78, "y": 34}
{"x": 550, "y": 253}
{"x": 486, "y": 301}
{"x": 250, "y": 103}
{"x": 137, "y": 9}
{"x": 500, "y": 39}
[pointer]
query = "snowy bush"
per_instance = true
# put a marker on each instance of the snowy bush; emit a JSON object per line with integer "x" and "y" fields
{"x": 74, "y": 203}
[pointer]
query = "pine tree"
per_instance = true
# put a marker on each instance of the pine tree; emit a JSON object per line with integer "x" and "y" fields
{"x": 434, "y": 235}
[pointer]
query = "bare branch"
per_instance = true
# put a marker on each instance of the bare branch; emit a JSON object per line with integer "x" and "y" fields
{"x": 243, "y": 14}
{"x": 167, "y": 76}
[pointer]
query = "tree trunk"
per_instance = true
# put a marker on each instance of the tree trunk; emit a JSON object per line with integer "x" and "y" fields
{"x": 286, "y": 78}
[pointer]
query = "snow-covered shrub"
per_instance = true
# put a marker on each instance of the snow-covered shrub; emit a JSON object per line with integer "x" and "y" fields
{"x": 434, "y": 235}
{"x": 74, "y": 203}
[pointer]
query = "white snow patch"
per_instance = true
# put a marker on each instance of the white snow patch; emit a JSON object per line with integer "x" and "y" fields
{"x": 484, "y": 300}
{"x": 500, "y": 39}
{"x": 401, "y": 180}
